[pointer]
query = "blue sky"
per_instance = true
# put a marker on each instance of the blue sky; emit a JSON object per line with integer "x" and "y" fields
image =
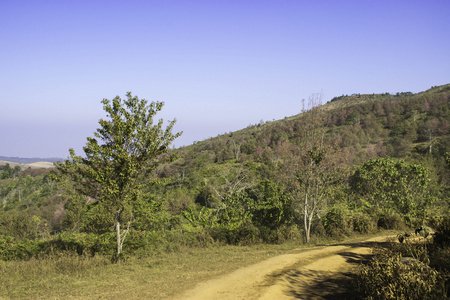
{"x": 218, "y": 65}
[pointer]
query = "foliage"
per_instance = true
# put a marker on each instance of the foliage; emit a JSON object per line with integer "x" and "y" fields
{"x": 271, "y": 207}
{"x": 314, "y": 166}
{"x": 410, "y": 270}
{"x": 442, "y": 234}
{"x": 7, "y": 172}
{"x": 363, "y": 222}
{"x": 337, "y": 221}
{"x": 248, "y": 186}
{"x": 390, "y": 183}
{"x": 389, "y": 219}
{"x": 387, "y": 277}
{"x": 11, "y": 249}
{"x": 128, "y": 145}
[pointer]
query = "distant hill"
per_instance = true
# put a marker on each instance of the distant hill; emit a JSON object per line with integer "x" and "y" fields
{"x": 35, "y": 165}
{"x": 404, "y": 125}
{"x": 22, "y": 160}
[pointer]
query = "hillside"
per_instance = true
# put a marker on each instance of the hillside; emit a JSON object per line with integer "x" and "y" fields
{"x": 23, "y": 160}
{"x": 404, "y": 125}
{"x": 375, "y": 161}
{"x": 34, "y": 165}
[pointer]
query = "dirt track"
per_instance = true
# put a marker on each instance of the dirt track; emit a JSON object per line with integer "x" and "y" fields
{"x": 320, "y": 273}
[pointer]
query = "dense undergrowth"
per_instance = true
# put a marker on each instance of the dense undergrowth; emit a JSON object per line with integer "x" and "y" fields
{"x": 410, "y": 270}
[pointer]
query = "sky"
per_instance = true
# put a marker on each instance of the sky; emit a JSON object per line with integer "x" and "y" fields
{"x": 219, "y": 66}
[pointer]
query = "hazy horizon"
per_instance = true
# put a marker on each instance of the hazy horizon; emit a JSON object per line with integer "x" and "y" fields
{"x": 218, "y": 66}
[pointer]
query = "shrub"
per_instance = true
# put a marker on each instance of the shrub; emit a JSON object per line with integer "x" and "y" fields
{"x": 245, "y": 234}
{"x": 442, "y": 235}
{"x": 138, "y": 242}
{"x": 81, "y": 243}
{"x": 363, "y": 223}
{"x": 11, "y": 249}
{"x": 387, "y": 277}
{"x": 337, "y": 222}
{"x": 390, "y": 220}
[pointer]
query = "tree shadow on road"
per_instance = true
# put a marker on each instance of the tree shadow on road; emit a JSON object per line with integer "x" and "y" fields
{"x": 317, "y": 284}
{"x": 311, "y": 284}
{"x": 365, "y": 244}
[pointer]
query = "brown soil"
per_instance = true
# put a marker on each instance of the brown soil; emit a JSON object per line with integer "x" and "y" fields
{"x": 319, "y": 273}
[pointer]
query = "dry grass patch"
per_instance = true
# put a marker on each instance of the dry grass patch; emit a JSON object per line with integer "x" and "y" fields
{"x": 153, "y": 277}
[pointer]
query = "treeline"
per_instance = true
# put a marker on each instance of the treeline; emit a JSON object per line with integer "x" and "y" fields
{"x": 351, "y": 166}
{"x": 7, "y": 172}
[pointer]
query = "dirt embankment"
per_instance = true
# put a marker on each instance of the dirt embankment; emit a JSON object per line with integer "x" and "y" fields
{"x": 319, "y": 273}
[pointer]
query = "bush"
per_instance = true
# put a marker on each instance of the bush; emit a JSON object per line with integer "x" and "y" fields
{"x": 440, "y": 260}
{"x": 245, "y": 234}
{"x": 440, "y": 253}
{"x": 390, "y": 220}
{"x": 274, "y": 236}
{"x": 11, "y": 249}
{"x": 81, "y": 243}
{"x": 138, "y": 242}
{"x": 285, "y": 233}
{"x": 442, "y": 235}
{"x": 363, "y": 223}
{"x": 337, "y": 222}
{"x": 387, "y": 277}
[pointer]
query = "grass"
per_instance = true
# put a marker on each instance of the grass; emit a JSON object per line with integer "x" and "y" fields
{"x": 153, "y": 277}
{"x": 156, "y": 276}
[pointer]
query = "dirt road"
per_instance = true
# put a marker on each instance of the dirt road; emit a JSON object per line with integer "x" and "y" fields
{"x": 319, "y": 273}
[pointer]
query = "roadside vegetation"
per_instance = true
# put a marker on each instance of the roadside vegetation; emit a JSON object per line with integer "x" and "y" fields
{"x": 410, "y": 269}
{"x": 356, "y": 165}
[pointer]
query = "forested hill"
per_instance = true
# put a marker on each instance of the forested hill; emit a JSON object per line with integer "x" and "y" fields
{"x": 365, "y": 126}
{"x": 405, "y": 126}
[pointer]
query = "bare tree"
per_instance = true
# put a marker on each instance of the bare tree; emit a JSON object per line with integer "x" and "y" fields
{"x": 431, "y": 129}
{"x": 233, "y": 181}
{"x": 237, "y": 149}
{"x": 314, "y": 167}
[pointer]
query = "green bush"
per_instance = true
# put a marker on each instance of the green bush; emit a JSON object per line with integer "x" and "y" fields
{"x": 285, "y": 233}
{"x": 81, "y": 243}
{"x": 362, "y": 222}
{"x": 12, "y": 249}
{"x": 390, "y": 220}
{"x": 194, "y": 237}
{"x": 138, "y": 242}
{"x": 245, "y": 234}
{"x": 338, "y": 221}
{"x": 440, "y": 252}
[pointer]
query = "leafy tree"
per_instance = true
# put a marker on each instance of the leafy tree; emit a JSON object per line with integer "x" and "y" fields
{"x": 74, "y": 209}
{"x": 393, "y": 184}
{"x": 7, "y": 172}
{"x": 126, "y": 146}
{"x": 271, "y": 207}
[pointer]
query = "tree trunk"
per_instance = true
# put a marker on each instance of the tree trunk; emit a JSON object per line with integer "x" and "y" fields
{"x": 120, "y": 236}
{"x": 119, "y": 244}
{"x": 307, "y": 229}
{"x": 307, "y": 220}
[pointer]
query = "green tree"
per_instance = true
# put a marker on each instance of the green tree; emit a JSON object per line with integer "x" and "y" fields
{"x": 388, "y": 183}
{"x": 126, "y": 146}
{"x": 271, "y": 207}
